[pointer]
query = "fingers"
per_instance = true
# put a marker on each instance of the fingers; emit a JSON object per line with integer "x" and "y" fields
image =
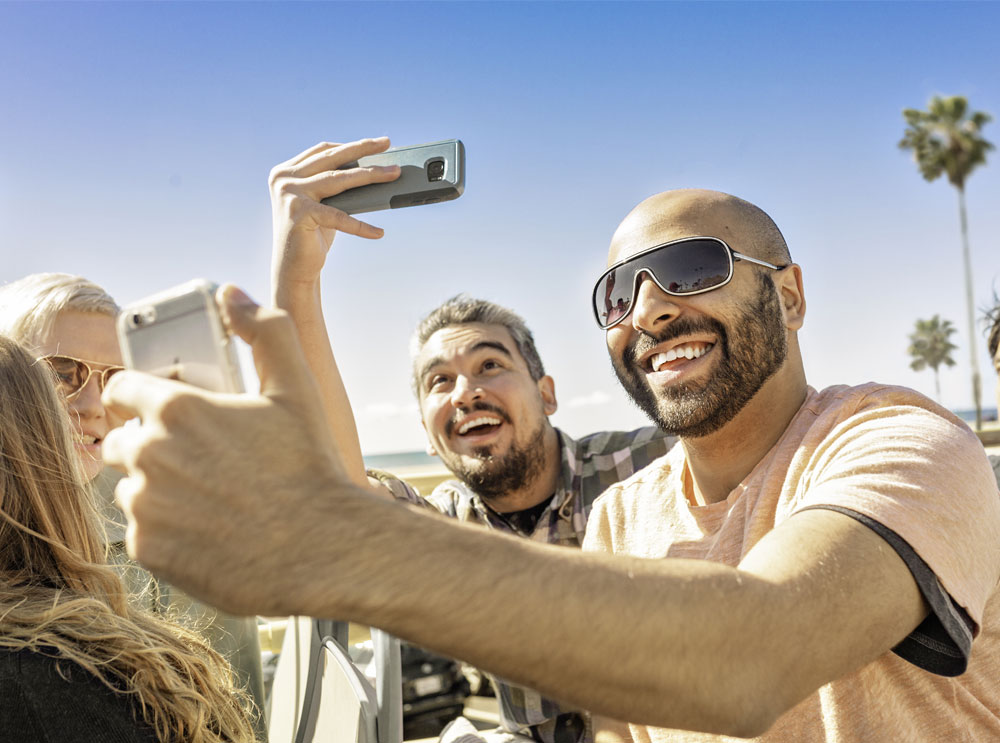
{"x": 331, "y": 158}
{"x": 334, "y": 219}
{"x": 331, "y": 182}
{"x": 290, "y": 164}
{"x": 306, "y": 154}
{"x": 271, "y": 335}
{"x": 298, "y": 185}
{"x": 134, "y": 394}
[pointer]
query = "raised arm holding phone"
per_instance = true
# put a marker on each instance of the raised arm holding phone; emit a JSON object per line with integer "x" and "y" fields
{"x": 842, "y": 532}
{"x": 304, "y": 228}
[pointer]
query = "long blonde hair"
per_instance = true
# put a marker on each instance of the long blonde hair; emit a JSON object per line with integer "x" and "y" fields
{"x": 59, "y": 596}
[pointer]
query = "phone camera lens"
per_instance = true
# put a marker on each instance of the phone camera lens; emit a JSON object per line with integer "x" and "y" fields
{"x": 136, "y": 319}
{"x": 435, "y": 170}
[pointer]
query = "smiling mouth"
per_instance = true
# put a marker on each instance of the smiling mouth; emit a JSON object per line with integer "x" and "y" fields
{"x": 684, "y": 352}
{"x": 85, "y": 439}
{"x": 479, "y": 425}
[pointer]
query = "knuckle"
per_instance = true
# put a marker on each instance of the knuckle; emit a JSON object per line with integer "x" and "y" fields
{"x": 294, "y": 204}
{"x": 179, "y": 407}
{"x": 285, "y": 188}
{"x": 277, "y": 321}
{"x": 146, "y": 455}
{"x": 139, "y": 508}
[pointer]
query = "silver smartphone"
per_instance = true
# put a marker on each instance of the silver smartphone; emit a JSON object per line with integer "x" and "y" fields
{"x": 429, "y": 173}
{"x": 178, "y": 333}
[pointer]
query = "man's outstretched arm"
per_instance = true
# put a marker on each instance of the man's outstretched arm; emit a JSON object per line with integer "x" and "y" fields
{"x": 303, "y": 231}
{"x": 675, "y": 643}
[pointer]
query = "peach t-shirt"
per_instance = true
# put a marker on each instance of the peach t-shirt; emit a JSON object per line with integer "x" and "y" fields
{"x": 914, "y": 473}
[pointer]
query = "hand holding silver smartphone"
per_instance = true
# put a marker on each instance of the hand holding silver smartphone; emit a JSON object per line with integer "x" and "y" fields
{"x": 179, "y": 334}
{"x": 429, "y": 173}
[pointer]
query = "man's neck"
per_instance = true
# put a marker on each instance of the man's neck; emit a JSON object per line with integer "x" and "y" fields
{"x": 539, "y": 488}
{"x": 720, "y": 461}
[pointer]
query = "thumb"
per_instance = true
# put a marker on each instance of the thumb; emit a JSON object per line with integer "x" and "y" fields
{"x": 277, "y": 354}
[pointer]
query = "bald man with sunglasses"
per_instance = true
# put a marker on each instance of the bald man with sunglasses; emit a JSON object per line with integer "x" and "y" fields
{"x": 806, "y": 566}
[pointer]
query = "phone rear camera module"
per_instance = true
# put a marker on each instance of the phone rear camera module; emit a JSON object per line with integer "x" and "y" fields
{"x": 435, "y": 170}
{"x": 144, "y": 316}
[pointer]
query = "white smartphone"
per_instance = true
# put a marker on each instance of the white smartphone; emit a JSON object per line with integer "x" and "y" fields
{"x": 429, "y": 173}
{"x": 178, "y": 333}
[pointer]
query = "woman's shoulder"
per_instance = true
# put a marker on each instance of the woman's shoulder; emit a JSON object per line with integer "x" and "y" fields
{"x": 45, "y": 698}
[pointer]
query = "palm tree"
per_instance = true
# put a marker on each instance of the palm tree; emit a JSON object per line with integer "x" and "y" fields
{"x": 946, "y": 139}
{"x": 930, "y": 345}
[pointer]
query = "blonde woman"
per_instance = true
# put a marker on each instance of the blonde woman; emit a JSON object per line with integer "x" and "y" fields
{"x": 78, "y": 662}
{"x": 69, "y": 322}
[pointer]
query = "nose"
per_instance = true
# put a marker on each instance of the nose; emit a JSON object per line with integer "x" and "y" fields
{"x": 464, "y": 392}
{"x": 87, "y": 403}
{"x": 653, "y": 308}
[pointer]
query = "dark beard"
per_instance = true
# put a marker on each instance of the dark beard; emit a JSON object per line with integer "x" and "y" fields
{"x": 494, "y": 477}
{"x": 749, "y": 357}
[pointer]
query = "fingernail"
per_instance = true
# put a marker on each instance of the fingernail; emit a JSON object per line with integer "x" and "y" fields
{"x": 237, "y": 297}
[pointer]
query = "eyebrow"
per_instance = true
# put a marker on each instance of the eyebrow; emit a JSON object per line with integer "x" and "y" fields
{"x": 437, "y": 360}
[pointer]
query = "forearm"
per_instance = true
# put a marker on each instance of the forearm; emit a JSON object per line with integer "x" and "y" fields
{"x": 687, "y": 644}
{"x": 302, "y": 301}
{"x": 577, "y": 627}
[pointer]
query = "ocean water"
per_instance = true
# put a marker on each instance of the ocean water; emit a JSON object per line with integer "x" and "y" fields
{"x": 969, "y": 416}
{"x": 400, "y": 460}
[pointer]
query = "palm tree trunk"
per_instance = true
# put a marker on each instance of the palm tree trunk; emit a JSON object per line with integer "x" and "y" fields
{"x": 973, "y": 358}
{"x": 937, "y": 385}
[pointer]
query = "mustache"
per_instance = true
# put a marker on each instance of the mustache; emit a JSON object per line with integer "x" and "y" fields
{"x": 477, "y": 407}
{"x": 644, "y": 342}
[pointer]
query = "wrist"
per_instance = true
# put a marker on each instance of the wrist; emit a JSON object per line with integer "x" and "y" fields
{"x": 291, "y": 292}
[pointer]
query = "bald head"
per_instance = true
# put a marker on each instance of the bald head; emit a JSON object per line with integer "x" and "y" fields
{"x": 687, "y": 212}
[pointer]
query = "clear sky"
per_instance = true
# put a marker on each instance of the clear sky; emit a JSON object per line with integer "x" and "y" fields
{"x": 135, "y": 142}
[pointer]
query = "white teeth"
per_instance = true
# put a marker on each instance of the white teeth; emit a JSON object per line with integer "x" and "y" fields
{"x": 80, "y": 438}
{"x": 687, "y": 351}
{"x": 482, "y": 421}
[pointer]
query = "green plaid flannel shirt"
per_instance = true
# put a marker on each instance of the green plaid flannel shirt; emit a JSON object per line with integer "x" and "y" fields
{"x": 589, "y": 466}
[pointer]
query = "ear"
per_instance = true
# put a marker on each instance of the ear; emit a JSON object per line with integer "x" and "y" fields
{"x": 793, "y": 299}
{"x": 431, "y": 451}
{"x": 547, "y": 389}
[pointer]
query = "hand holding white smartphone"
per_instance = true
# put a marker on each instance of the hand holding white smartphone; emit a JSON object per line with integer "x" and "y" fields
{"x": 179, "y": 334}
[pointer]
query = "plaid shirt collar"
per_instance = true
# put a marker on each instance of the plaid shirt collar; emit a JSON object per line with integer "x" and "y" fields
{"x": 568, "y": 523}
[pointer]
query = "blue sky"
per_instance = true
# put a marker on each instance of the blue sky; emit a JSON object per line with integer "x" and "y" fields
{"x": 135, "y": 142}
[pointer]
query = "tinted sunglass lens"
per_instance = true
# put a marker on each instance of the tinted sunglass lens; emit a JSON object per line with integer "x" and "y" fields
{"x": 70, "y": 373}
{"x": 688, "y": 267}
{"x": 613, "y": 296}
{"x": 107, "y": 374}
